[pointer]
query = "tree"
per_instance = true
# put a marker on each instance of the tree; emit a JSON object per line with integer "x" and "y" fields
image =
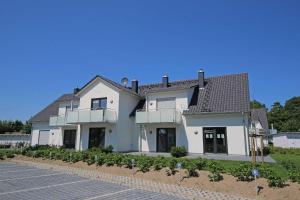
{"x": 256, "y": 104}
{"x": 27, "y": 127}
{"x": 17, "y": 125}
{"x": 277, "y": 116}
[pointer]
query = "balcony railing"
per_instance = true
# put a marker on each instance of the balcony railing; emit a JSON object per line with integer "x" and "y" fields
{"x": 57, "y": 120}
{"x": 158, "y": 116}
{"x": 84, "y": 116}
{"x": 87, "y": 116}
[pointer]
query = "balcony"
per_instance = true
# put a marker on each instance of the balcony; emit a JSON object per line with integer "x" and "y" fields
{"x": 57, "y": 121}
{"x": 90, "y": 116}
{"x": 158, "y": 116}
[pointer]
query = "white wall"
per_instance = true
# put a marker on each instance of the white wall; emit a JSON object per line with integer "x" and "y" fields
{"x": 99, "y": 89}
{"x": 55, "y": 134}
{"x": 289, "y": 140}
{"x": 236, "y": 126}
{"x": 182, "y": 99}
{"x": 13, "y": 139}
{"x": 110, "y": 138}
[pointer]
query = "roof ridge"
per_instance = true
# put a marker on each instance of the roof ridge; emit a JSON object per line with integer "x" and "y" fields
{"x": 190, "y": 80}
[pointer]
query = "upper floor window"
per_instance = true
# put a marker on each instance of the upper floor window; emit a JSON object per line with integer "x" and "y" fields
{"x": 166, "y": 103}
{"x": 99, "y": 103}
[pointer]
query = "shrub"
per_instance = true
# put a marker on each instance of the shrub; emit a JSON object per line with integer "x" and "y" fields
{"x": 243, "y": 172}
{"x": 159, "y": 163}
{"x": 144, "y": 164}
{"x": 191, "y": 169}
{"x": 2, "y": 155}
{"x": 172, "y": 166}
{"x": 200, "y": 163}
{"x": 265, "y": 171}
{"x": 294, "y": 176}
{"x": 215, "y": 170}
{"x": 108, "y": 149}
{"x": 178, "y": 152}
{"x": 275, "y": 181}
{"x": 9, "y": 154}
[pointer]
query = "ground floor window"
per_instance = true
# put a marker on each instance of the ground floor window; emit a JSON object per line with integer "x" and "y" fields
{"x": 215, "y": 140}
{"x": 97, "y": 137}
{"x": 69, "y": 139}
{"x": 165, "y": 139}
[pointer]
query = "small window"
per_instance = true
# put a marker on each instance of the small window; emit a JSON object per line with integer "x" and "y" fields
{"x": 100, "y": 103}
{"x": 68, "y": 107}
{"x": 75, "y": 107}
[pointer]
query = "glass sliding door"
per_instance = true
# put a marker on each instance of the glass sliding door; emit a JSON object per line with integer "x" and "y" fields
{"x": 97, "y": 137}
{"x": 215, "y": 140}
{"x": 69, "y": 139}
{"x": 165, "y": 139}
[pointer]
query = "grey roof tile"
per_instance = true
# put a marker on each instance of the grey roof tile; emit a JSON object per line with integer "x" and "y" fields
{"x": 52, "y": 109}
{"x": 260, "y": 115}
{"x": 222, "y": 94}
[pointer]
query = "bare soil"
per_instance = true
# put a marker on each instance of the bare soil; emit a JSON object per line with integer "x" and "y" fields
{"x": 228, "y": 185}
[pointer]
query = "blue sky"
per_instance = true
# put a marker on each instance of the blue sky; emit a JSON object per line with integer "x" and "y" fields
{"x": 49, "y": 47}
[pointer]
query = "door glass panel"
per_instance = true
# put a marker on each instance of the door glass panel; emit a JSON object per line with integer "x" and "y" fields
{"x": 221, "y": 141}
{"x": 69, "y": 139}
{"x": 171, "y": 138}
{"x": 209, "y": 140}
{"x": 166, "y": 138}
{"x": 97, "y": 137}
{"x": 215, "y": 140}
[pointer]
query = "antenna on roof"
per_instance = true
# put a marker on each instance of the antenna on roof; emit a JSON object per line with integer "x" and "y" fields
{"x": 124, "y": 81}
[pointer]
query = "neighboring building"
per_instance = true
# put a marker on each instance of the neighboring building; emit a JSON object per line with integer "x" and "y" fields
{"x": 286, "y": 140}
{"x": 260, "y": 123}
{"x": 206, "y": 115}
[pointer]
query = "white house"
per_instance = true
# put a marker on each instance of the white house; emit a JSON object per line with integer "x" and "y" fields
{"x": 205, "y": 115}
{"x": 286, "y": 140}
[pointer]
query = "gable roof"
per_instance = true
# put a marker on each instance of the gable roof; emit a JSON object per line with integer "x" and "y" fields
{"x": 113, "y": 83}
{"x": 52, "y": 109}
{"x": 260, "y": 115}
{"x": 221, "y": 94}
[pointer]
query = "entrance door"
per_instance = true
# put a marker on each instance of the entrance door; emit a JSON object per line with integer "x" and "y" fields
{"x": 69, "y": 139}
{"x": 215, "y": 140}
{"x": 165, "y": 139}
{"x": 97, "y": 137}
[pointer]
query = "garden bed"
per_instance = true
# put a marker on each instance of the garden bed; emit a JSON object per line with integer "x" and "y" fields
{"x": 228, "y": 185}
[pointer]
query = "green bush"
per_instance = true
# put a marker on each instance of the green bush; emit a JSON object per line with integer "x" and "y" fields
{"x": 243, "y": 172}
{"x": 191, "y": 168}
{"x": 178, "y": 152}
{"x": 200, "y": 163}
{"x": 275, "y": 181}
{"x": 159, "y": 162}
{"x": 215, "y": 171}
{"x": 294, "y": 176}
{"x": 10, "y": 154}
{"x": 144, "y": 164}
{"x": 171, "y": 164}
{"x": 2, "y": 155}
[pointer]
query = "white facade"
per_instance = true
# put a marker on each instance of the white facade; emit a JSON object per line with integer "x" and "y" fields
{"x": 287, "y": 140}
{"x": 124, "y": 134}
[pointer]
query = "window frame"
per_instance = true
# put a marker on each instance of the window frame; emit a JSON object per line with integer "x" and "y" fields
{"x": 100, "y": 99}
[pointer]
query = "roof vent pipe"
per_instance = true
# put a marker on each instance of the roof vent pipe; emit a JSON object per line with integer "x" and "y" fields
{"x": 76, "y": 90}
{"x": 165, "y": 81}
{"x": 201, "y": 78}
{"x": 135, "y": 86}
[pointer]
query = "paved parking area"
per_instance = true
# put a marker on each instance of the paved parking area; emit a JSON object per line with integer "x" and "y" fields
{"x": 19, "y": 181}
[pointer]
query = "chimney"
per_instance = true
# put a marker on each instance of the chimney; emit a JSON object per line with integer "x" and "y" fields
{"x": 165, "y": 81}
{"x": 135, "y": 86}
{"x": 201, "y": 78}
{"x": 76, "y": 90}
